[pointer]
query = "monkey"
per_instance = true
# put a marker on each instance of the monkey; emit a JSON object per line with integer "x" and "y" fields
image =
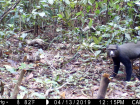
{"x": 123, "y": 53}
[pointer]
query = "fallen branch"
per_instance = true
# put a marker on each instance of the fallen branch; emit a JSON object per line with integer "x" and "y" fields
{"x": 103, "y": 86}
{"x": 50, "y": 90}
{"x": 6, "y": 12}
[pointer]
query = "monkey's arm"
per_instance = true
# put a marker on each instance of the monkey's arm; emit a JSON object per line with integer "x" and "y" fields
{"x": 116, "y": 66}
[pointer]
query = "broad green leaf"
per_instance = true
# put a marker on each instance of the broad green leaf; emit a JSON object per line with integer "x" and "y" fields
{"x": 78, "y": 48}
{"x": 127, "y": 36}
{"x": 95, "y": 40}
{"x": 2, "y": 68}
{"x": 90, "y": 22}
{"x": 60, "y": 16}
{"x": 117, "y": 7}
{"x": 84, "y": 1}
{"x": 85, "y": 44}
{"x": 92, "y": 1}
{"x": 57, "y": 77}
{"x": 72, "y": 4}
{"x": 22, "y": 66}
{"x": 67, "y": 2}
{"x": 51, "y": 1}
{"x": 96, "y": 5}
{"x": 42, "y": 14}
{"x": 2, "y": 33}
{"x": 137, "y": 28}
{"x": 97, "y": 11}
{"x": 88, "y": 8}
{"x": 92, "y": 45}
{"x": 9, "y": 68}
{"x": 100, "y": 38}
{"x": 129, "y": 4}
{"x": 79, "y": 13}
{"x": 23, "y": 36}
{"x": 96, "y": 53}
{"x": 30, "y": 65}
{"x": 10, "y": 25}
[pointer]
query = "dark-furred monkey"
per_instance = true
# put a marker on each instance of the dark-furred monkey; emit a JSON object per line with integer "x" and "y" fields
{"x": 124, "y": 53}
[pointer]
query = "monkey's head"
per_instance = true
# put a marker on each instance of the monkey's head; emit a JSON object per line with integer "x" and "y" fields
{"x": 112, "y": 51}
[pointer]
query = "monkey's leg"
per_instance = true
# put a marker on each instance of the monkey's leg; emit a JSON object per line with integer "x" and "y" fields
{"x": 116, "y": 67}
{"x": 128, "y": 68}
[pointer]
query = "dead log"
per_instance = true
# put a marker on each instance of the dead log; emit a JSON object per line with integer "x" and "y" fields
{"x": 38, "y": 43}
{"x": 103, "y": 86}
{"x": 16, "y": 88}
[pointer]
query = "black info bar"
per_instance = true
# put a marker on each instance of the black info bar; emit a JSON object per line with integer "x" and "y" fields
{"x": 69, "y": 101}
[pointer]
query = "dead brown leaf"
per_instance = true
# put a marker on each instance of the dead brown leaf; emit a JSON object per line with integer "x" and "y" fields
{"x": 62, "y": 95}
{"x": 29, "y": 76}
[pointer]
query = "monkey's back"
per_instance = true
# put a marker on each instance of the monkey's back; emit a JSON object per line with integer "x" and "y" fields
{"x": 130, "y": 50}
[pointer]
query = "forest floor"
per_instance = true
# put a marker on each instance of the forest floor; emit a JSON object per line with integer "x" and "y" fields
{"x": 63, "y": 72}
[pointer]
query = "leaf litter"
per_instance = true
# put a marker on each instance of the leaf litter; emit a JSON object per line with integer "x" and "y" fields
{"x": 65, "y": 74}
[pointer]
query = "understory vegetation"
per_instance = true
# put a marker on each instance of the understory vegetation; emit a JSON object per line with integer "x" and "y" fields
{"x": 61, "y": 46}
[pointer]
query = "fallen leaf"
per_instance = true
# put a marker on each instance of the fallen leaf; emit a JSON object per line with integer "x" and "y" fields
{"x": 135, "y": 67}
{"x": 118, "y": 92}
{"x": 7, "y": 52}
{"x": 62, "y": 95}
{"x": 29, "y": 76}
{"x": 9, "y": 68}
{"x": 25, "y": 58}
{"x": 77, "y": 63}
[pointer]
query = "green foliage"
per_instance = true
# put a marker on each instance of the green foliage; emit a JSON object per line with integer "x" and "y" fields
{"x": 112, "y": 19}
{"x": 10, "y": 69}
{"x": 25, "y": 66}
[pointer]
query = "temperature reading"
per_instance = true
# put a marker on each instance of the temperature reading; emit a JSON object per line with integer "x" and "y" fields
{"x": 29, "y": 102}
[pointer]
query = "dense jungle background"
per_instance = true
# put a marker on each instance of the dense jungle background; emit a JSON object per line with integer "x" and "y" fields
{"x": 57, "y": 48}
